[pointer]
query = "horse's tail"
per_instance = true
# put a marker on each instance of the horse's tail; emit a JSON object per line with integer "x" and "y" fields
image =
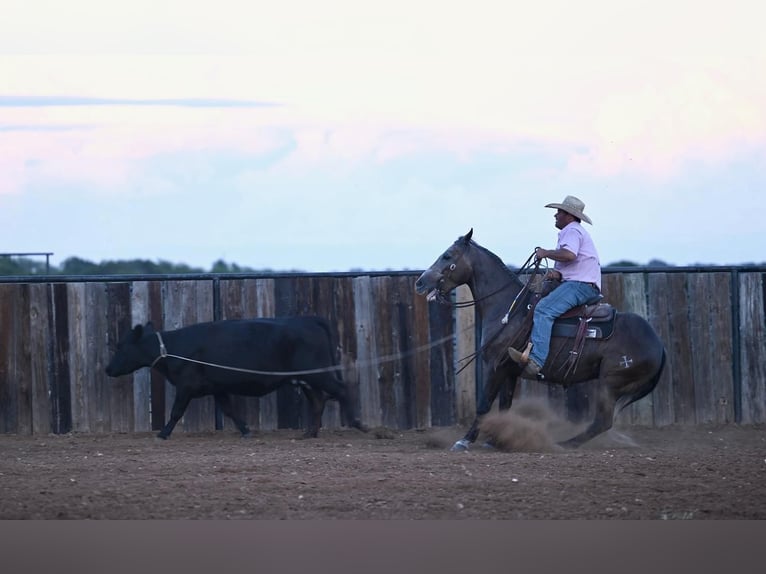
{"x": 625, "y": 400}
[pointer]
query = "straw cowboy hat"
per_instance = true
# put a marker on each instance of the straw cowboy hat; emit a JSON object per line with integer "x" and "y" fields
{"x": 573, "y": 206}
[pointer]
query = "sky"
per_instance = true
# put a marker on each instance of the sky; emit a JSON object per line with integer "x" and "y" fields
{"x": 366, "y": 135}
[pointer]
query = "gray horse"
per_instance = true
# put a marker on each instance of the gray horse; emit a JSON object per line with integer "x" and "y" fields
{"x": 626, "y": 359}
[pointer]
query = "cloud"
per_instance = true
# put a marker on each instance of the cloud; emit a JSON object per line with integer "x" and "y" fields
{"x": 57, "y": 101}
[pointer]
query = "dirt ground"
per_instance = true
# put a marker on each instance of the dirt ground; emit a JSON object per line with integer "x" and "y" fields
{"x": 671, "y": 473}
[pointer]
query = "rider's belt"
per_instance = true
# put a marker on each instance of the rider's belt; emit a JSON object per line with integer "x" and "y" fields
{"x": 591, "y": 284}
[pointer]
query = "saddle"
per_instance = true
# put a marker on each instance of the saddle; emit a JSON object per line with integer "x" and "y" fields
{"x": 591, "y": 320}
{"x": 596, "y": 321}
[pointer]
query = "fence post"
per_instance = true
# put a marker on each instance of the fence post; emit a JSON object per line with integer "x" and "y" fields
{"x": 736, "y": 359}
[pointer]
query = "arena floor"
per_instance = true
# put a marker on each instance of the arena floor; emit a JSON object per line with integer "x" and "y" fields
{"x": 673, "y": 473}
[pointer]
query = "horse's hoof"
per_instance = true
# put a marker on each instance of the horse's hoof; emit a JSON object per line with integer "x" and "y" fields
{"x": 460, "y": 446}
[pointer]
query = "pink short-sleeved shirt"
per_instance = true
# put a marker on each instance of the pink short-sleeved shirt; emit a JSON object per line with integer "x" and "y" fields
{"x": 586, "y": 265}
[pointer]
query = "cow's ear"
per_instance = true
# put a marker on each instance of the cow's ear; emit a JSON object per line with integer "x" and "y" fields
{"x": 138, "y": 330}
{"x": 149, "y": 327}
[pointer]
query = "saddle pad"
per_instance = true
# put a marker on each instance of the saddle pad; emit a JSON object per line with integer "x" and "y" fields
{"x": 595, "y": 330}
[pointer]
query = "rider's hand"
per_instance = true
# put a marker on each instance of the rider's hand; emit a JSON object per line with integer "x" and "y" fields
{"x": 552, "y": 275}
{"x": 540, "y": 253}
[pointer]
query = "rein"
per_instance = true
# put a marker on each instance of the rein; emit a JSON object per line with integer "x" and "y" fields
{"x": 504, "y": 321}
{"x": 165, "y": 355}
{"x": 464, "y": 304}
{"x": 524, "y": 289}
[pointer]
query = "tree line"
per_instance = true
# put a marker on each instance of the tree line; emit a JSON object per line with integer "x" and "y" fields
{"x": 77, "y": 266}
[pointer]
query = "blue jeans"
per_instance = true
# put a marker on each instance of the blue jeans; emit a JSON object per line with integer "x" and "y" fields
{"x": 563, "y": 298}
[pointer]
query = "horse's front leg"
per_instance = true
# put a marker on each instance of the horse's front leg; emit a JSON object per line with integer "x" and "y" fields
{"x": 492, "y": 385}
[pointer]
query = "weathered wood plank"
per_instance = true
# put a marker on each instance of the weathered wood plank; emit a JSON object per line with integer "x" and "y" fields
{"x": 752, "y": 320}
{"x": 78, "y": 351}
{"x": 384, "y": 326}
{"x": 680, "y": 351}
{"x": 465, "y": 346}
{"x": 7, "y": 366}
{"x": 13, "y": 368}
{"x": 291, "y": 403}
{"x": 262, "y": 303}
{"x": 98, "y": 388}
{"x": 233, "y": 299}
{"x": 402, "y": 328}
{"x": 710, "y": 298}
{"x": 612, "y": 288}
{"x": 634, "y": 301}
{"x": 369, "y": 388}
{"x": 345, "y": 323}
{"x": 41, "y": 358}
{"x": 23, "y": 362}
{"x": 140, "y": 314}
{"x": 720, "y": 377}
{"x": 61, "y": 386}
{"x": 703, "y": 346}
{"x": 118, "y": 322}
{"x": 158, "y": 384}
{"x": 422, "y": 363}
{"x": 658, "y": 287}
{"x": 442, "y": 364}
{"x": 324, "y": 305}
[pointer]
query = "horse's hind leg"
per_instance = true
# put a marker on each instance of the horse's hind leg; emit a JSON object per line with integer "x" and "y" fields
{"x": 602, "y": 422}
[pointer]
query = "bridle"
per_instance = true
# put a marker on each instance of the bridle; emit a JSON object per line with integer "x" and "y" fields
{"x": 447, "y": 273}
{"x": 531, "y": 262}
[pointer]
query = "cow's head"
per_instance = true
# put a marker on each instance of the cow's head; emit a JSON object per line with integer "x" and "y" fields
{"x": 131, "y": 353}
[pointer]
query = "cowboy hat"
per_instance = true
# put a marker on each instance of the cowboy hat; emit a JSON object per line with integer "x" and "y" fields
{"x": 573, "y": 206}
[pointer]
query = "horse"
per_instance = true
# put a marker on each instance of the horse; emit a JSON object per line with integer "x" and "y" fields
{"x": 626, "y": 364}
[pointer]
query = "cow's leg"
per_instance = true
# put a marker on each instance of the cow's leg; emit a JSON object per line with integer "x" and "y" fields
{"x": 179, "y": 407}
{"x": 317, "y": 400}
{"x": 223, "y": 400}
{"x": 336, "y": 389}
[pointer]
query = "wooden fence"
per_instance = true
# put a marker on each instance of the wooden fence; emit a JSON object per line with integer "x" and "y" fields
{"x": 399, "y": 353}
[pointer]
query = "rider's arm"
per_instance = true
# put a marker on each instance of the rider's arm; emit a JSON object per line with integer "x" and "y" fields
{"x": 563, "y": 255}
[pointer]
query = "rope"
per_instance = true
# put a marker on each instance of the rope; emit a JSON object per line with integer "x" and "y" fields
{"x": 524, "y": 289}
{"x": 164, "y": 354}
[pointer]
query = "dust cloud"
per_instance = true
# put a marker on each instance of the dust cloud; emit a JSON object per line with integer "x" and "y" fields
{"x": 528, "y": 426}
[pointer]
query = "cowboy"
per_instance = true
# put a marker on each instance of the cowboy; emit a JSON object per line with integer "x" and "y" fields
{"x": 578, "y": 267}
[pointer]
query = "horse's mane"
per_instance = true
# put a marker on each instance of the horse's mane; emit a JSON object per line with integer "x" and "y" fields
{"x": 499, "y": 262}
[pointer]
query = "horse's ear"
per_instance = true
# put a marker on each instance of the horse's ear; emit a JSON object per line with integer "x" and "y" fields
{"x": 467, "y": 236}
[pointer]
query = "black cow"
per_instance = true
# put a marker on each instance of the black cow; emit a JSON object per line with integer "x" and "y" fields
{"x": 280, "y": 347}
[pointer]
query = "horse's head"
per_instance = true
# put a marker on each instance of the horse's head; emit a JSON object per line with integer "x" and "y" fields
{"x": 449, "y": 271}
